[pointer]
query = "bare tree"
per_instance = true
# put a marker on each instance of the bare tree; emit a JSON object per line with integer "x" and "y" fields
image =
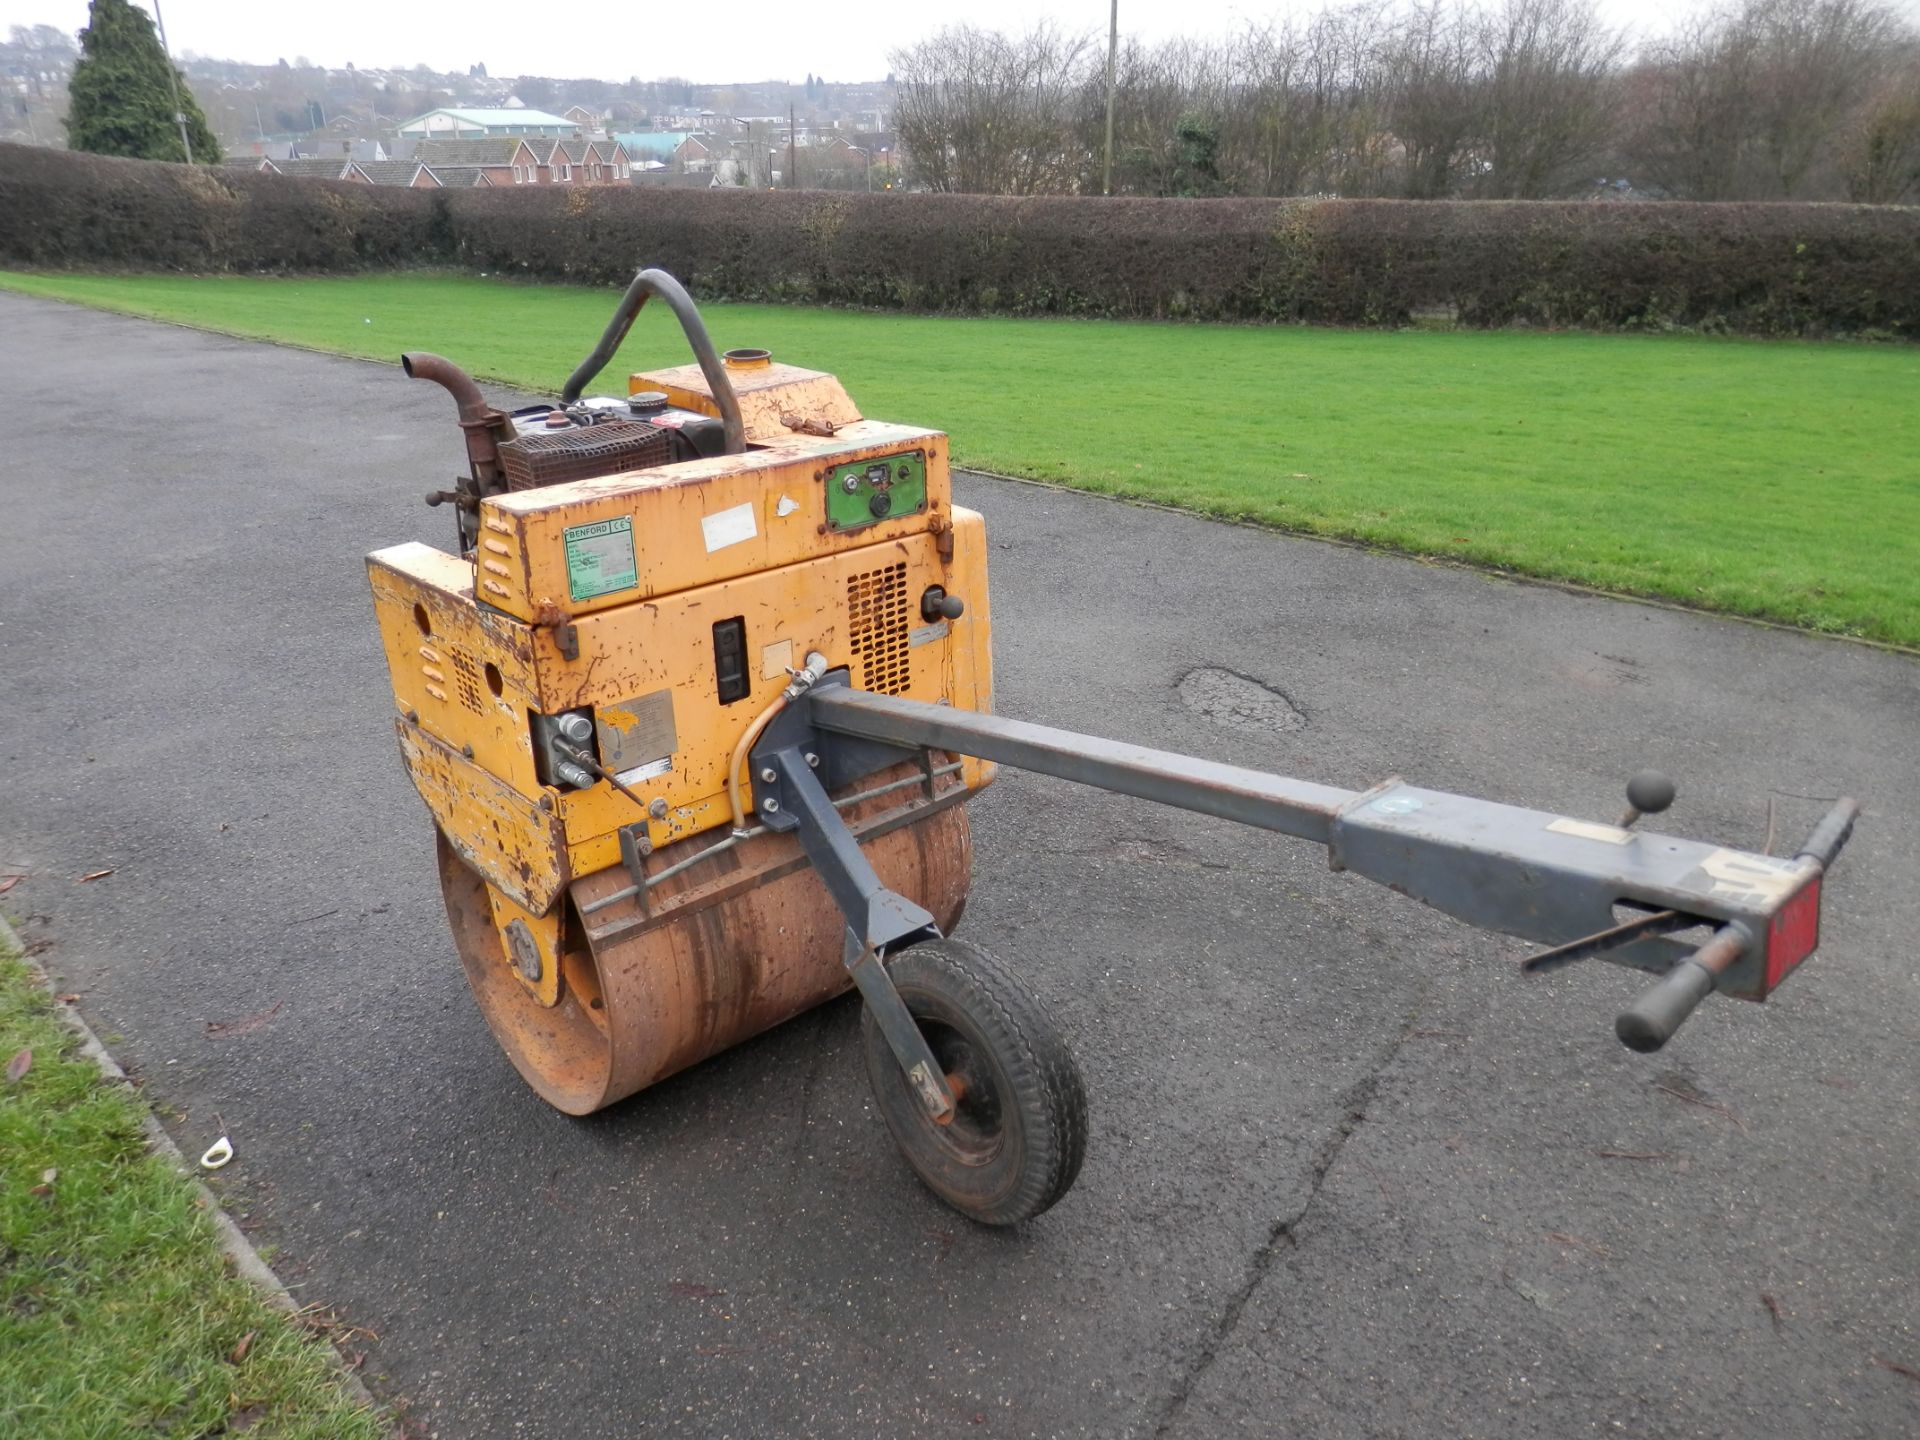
{"x": 1548, "y": 96}
{"x": 1691, "y": 108}
{"x": 982, "y": 112}
{"x": 1879, "y": 149}
{"x": 1769, "y": 100}
{"x": 1434, "y": 98}
{"x": 1814, "y": 60}
{"x": 1315, "y": 100}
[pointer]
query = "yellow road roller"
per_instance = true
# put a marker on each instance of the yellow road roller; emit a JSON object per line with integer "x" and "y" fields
{"x": 696, "y": 706}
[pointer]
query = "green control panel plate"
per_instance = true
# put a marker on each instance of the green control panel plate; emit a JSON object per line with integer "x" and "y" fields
{"x": 869, "y": 491}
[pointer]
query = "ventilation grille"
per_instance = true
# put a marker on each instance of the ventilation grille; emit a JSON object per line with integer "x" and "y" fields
{"x": 466, "y": 680}
{"x": 877, "y": 634}
{"x": 583, "y": 452}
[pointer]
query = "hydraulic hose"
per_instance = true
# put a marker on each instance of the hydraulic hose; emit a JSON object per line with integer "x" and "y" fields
{"x": 658, "y": 282}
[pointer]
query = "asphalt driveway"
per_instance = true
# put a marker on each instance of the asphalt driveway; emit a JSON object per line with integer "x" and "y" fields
{"x": 1349, "y": 1175}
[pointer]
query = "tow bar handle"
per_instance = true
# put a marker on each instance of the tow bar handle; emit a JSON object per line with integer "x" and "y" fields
{"x": 1663, "y": 1006}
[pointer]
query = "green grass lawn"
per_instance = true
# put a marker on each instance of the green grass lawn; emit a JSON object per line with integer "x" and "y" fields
{"x": 1771, "y": 479}
{"x": 117, "y": 1312}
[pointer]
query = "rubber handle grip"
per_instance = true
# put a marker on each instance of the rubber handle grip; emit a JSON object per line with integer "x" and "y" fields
{"x": 1650, "y": 1021}
{"x": 1833, "y": 832}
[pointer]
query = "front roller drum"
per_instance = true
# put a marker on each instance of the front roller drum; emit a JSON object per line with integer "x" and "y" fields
{"x": 697, "y": 976}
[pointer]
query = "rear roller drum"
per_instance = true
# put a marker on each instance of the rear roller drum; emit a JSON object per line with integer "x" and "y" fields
{"x": 1018, "y": 1133}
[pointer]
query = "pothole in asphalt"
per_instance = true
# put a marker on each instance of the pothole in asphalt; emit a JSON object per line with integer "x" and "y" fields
{"x": 1239, "y": 703}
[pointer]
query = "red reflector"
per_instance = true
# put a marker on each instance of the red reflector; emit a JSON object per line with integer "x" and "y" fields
{"x": 1794, "y": 933}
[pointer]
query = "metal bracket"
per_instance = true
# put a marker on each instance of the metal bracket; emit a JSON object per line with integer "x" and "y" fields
{"x": 635, "y": 845}
{"x": 790, "y": 797}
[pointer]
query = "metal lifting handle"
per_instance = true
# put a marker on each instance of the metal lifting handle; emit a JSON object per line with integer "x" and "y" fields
{"x": 1663, "y": 1007}
{"x": 658, "y": 282}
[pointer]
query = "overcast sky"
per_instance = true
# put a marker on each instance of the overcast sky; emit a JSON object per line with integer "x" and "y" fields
{"x": 735, "y": 40}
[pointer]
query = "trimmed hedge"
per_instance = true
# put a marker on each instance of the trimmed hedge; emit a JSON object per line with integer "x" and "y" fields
{"x": 1749, "y": 268}
{"x": 60, "y": 209}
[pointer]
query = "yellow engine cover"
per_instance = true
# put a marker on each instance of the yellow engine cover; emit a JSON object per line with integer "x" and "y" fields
{"x": 552, "y": 614}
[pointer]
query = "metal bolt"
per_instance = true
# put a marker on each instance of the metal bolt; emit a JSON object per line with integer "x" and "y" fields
{"x": 575, "y": 727}
{"x": 813, "y": 760}
{"x": 658, "y": 808}
{"x": 467, "y": 750}
{"x": 770, "y": 805}
{"x": 413, "y": 717}
{"x": 769, "y": 775}
{"x": 526, "y": 951}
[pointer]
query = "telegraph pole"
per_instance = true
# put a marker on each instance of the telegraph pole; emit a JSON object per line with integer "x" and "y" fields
{"x": 1113, "y": 45}
{"x": 793, "y": 173}
{"x": 173, "y": 83}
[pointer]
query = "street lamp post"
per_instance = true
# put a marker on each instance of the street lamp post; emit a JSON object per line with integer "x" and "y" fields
{"x": 1113, "y": 45}
{"x": 173, "y": 82}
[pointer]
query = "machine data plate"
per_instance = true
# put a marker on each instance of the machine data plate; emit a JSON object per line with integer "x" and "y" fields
{"x": 600, "y": 558}
{"x": 869, "y": 491}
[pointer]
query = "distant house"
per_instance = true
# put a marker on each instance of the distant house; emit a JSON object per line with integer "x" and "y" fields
{"x": 311, "y": 168}
{"x": 504, "y": 160}
{"x": 586, "y": 119}
{"x": 602, "y": 162}
{"x": 409, "y": 174}
{"x": 464, "y": 123}
{"x": 644, "y": 145}
{"x": 695, "y": 154}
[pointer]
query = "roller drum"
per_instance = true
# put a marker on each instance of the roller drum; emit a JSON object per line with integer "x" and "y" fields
{"x": 733, "y": 946}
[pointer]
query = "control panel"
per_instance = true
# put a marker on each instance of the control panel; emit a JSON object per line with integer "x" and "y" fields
{"x": 869, "y": 491}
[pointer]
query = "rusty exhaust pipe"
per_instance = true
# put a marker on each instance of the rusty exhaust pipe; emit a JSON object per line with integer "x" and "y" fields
{"x": 482, "y": 423}
{"x": 484, "y": 427}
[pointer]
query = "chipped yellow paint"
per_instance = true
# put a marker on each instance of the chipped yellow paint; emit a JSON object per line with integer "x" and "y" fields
{"x": 674, "y": 549}
{"x": 470, "y": 666}
{"x": 769, "y": 394}
{"x": 504, "y": 835}
{"x": 545, "y": 930}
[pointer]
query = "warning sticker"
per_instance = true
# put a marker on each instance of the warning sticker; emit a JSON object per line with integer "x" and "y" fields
{"x": 600, "y": 558}
{"x": 728, "y": 527}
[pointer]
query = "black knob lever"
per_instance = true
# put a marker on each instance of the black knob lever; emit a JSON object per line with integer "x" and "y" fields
{"x": 937, "y": 604}
{"x": 1648, "y": 793}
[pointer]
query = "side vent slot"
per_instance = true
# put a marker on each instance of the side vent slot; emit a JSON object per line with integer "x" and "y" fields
{"x": 466, "y": 679}
{"x": 878, "y": 628}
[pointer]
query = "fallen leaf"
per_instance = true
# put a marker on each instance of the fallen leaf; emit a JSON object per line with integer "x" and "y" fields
{"x": 70, "y": 997}
{"x": 1704, "y": 1104}
{"x": 49, "y": 1175}
{"x": 1775, "y": 1309}
{"x": 686, "y": 1290}
{"x": 1906, "y": 1370}
{"x": 18, "y": 1066}
{"x": 7, "y": 882}
{"x": 41, "y": 1190}
{"x": 244, "y": 1024}
{"x": 240, "y": 1349}
{"x": 96, "y": 875}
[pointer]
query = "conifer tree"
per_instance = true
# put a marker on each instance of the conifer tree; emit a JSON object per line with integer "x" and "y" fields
{"x": 120, "y": 101}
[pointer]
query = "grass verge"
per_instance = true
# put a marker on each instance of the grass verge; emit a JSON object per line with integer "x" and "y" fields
{"x": 1774, "y": 479}
{"x": 118, "y": 1315}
